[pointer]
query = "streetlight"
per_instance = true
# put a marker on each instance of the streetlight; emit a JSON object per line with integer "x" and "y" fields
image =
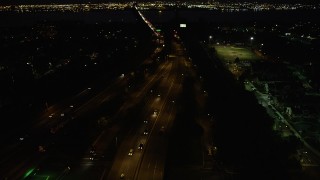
{"x": 251, "y": 39}
{"x": 210, "y": 38}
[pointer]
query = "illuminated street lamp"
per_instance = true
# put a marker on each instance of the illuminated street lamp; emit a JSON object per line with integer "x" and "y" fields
{"x": 210, "y": 38}
{"x": 251, "y": 39}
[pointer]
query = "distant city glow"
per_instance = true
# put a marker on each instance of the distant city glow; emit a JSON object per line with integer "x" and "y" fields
{"x": 228, "y": 6}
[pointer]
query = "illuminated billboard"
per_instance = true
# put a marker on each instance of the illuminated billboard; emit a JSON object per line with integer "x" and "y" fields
{"x": 183, "y": 25}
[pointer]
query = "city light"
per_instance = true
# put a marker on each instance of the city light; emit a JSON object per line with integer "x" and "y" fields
{"x": 151, "y": 85}
{"x": 159, "y": 5}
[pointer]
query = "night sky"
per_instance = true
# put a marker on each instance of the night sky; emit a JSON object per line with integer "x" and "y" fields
{"x": 8, "y": 2}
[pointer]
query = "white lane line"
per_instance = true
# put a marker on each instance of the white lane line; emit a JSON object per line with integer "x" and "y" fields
{"x": 155, "y": 169}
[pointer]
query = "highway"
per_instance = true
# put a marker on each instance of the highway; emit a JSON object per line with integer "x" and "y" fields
{"x": 153, "y": 160}
{"x": 108, "y": 138}
{"x": 64, "y": 142}
{"x": 49, "y": 125}
{"x": 159, "y": 112}
{"x": 27, "y": 151}
{"x": 107, "y": 156}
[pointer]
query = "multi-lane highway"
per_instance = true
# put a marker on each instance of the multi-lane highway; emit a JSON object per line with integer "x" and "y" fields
{"x": 158, "y": 115}
{"x": 28, "y": 151}
{"x": 123, "y": 149}
{"x": 152, "y": 163}
{"x": 32, "y": 150}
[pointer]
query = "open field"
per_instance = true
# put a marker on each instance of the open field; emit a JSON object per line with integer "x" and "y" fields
{"x": 230, "y": 53}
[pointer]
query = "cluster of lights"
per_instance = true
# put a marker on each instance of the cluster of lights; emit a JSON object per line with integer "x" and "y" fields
{"x": 66, "y": 7}
{"x": 254, "y": 6}
{"x": 226, "y": 6}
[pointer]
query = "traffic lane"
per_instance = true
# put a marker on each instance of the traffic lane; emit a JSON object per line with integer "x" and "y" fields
{"x": 62, "y": 107}
{"x": 151, "y": 109}
{"x": 88, "y": 165}
{"x": 110, "y": 174}
{"x": 152, "y": 164}
{"x": 20, "y": 156}
{"x": 16, "y": 141}
{"x": 55, "y": 109}
{"x": 92, "y": 162}
{"x": 99, "y": 99}
{"x": 22, "y": 151}
{"x": 124, "y": 162}
{"x": 150, "y": 112}
{"x": 154, "y": 153}
{"x": 142, "y": 138}
{"x": 150, "y": 81}
{"x": 145, "y": 91}
{"x": 51, "y": 119}
{"x": 52, "y": 166}
{"x": 23, "y": 163}
{"x": 153, "y": 103}
{"x": 102, "y": 141}
{"x": 163, "y": 70}
{"x": 121, "y": 163}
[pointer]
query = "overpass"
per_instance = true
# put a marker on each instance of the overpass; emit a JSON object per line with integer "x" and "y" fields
{"x": 153, "y": 29}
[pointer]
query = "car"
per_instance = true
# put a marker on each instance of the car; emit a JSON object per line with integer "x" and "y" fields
{"x": 146, "y": 132}
{"x": 122, "y": 176}
{"x": 93, "y": 156}
{"x": 92, "y": 149}
{"x": 209, "y": 152}
{"x": 155, "y": 112}
{"x": 42, "y": 148}
{"x": 130, "y": 152}
{"x": 162, "y": 129}
{"x": 146, "y": 121}
{"x": 23, "y": 137}
{"x": 51, "y": 115}
{"x": 140, "y": 146}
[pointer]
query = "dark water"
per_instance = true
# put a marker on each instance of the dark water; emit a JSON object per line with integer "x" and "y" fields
{"x": 165, "y": 16}
{"x": 21, "y": 19}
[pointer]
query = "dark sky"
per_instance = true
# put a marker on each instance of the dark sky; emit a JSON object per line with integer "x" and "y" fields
{"x": 8, "y": 2}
